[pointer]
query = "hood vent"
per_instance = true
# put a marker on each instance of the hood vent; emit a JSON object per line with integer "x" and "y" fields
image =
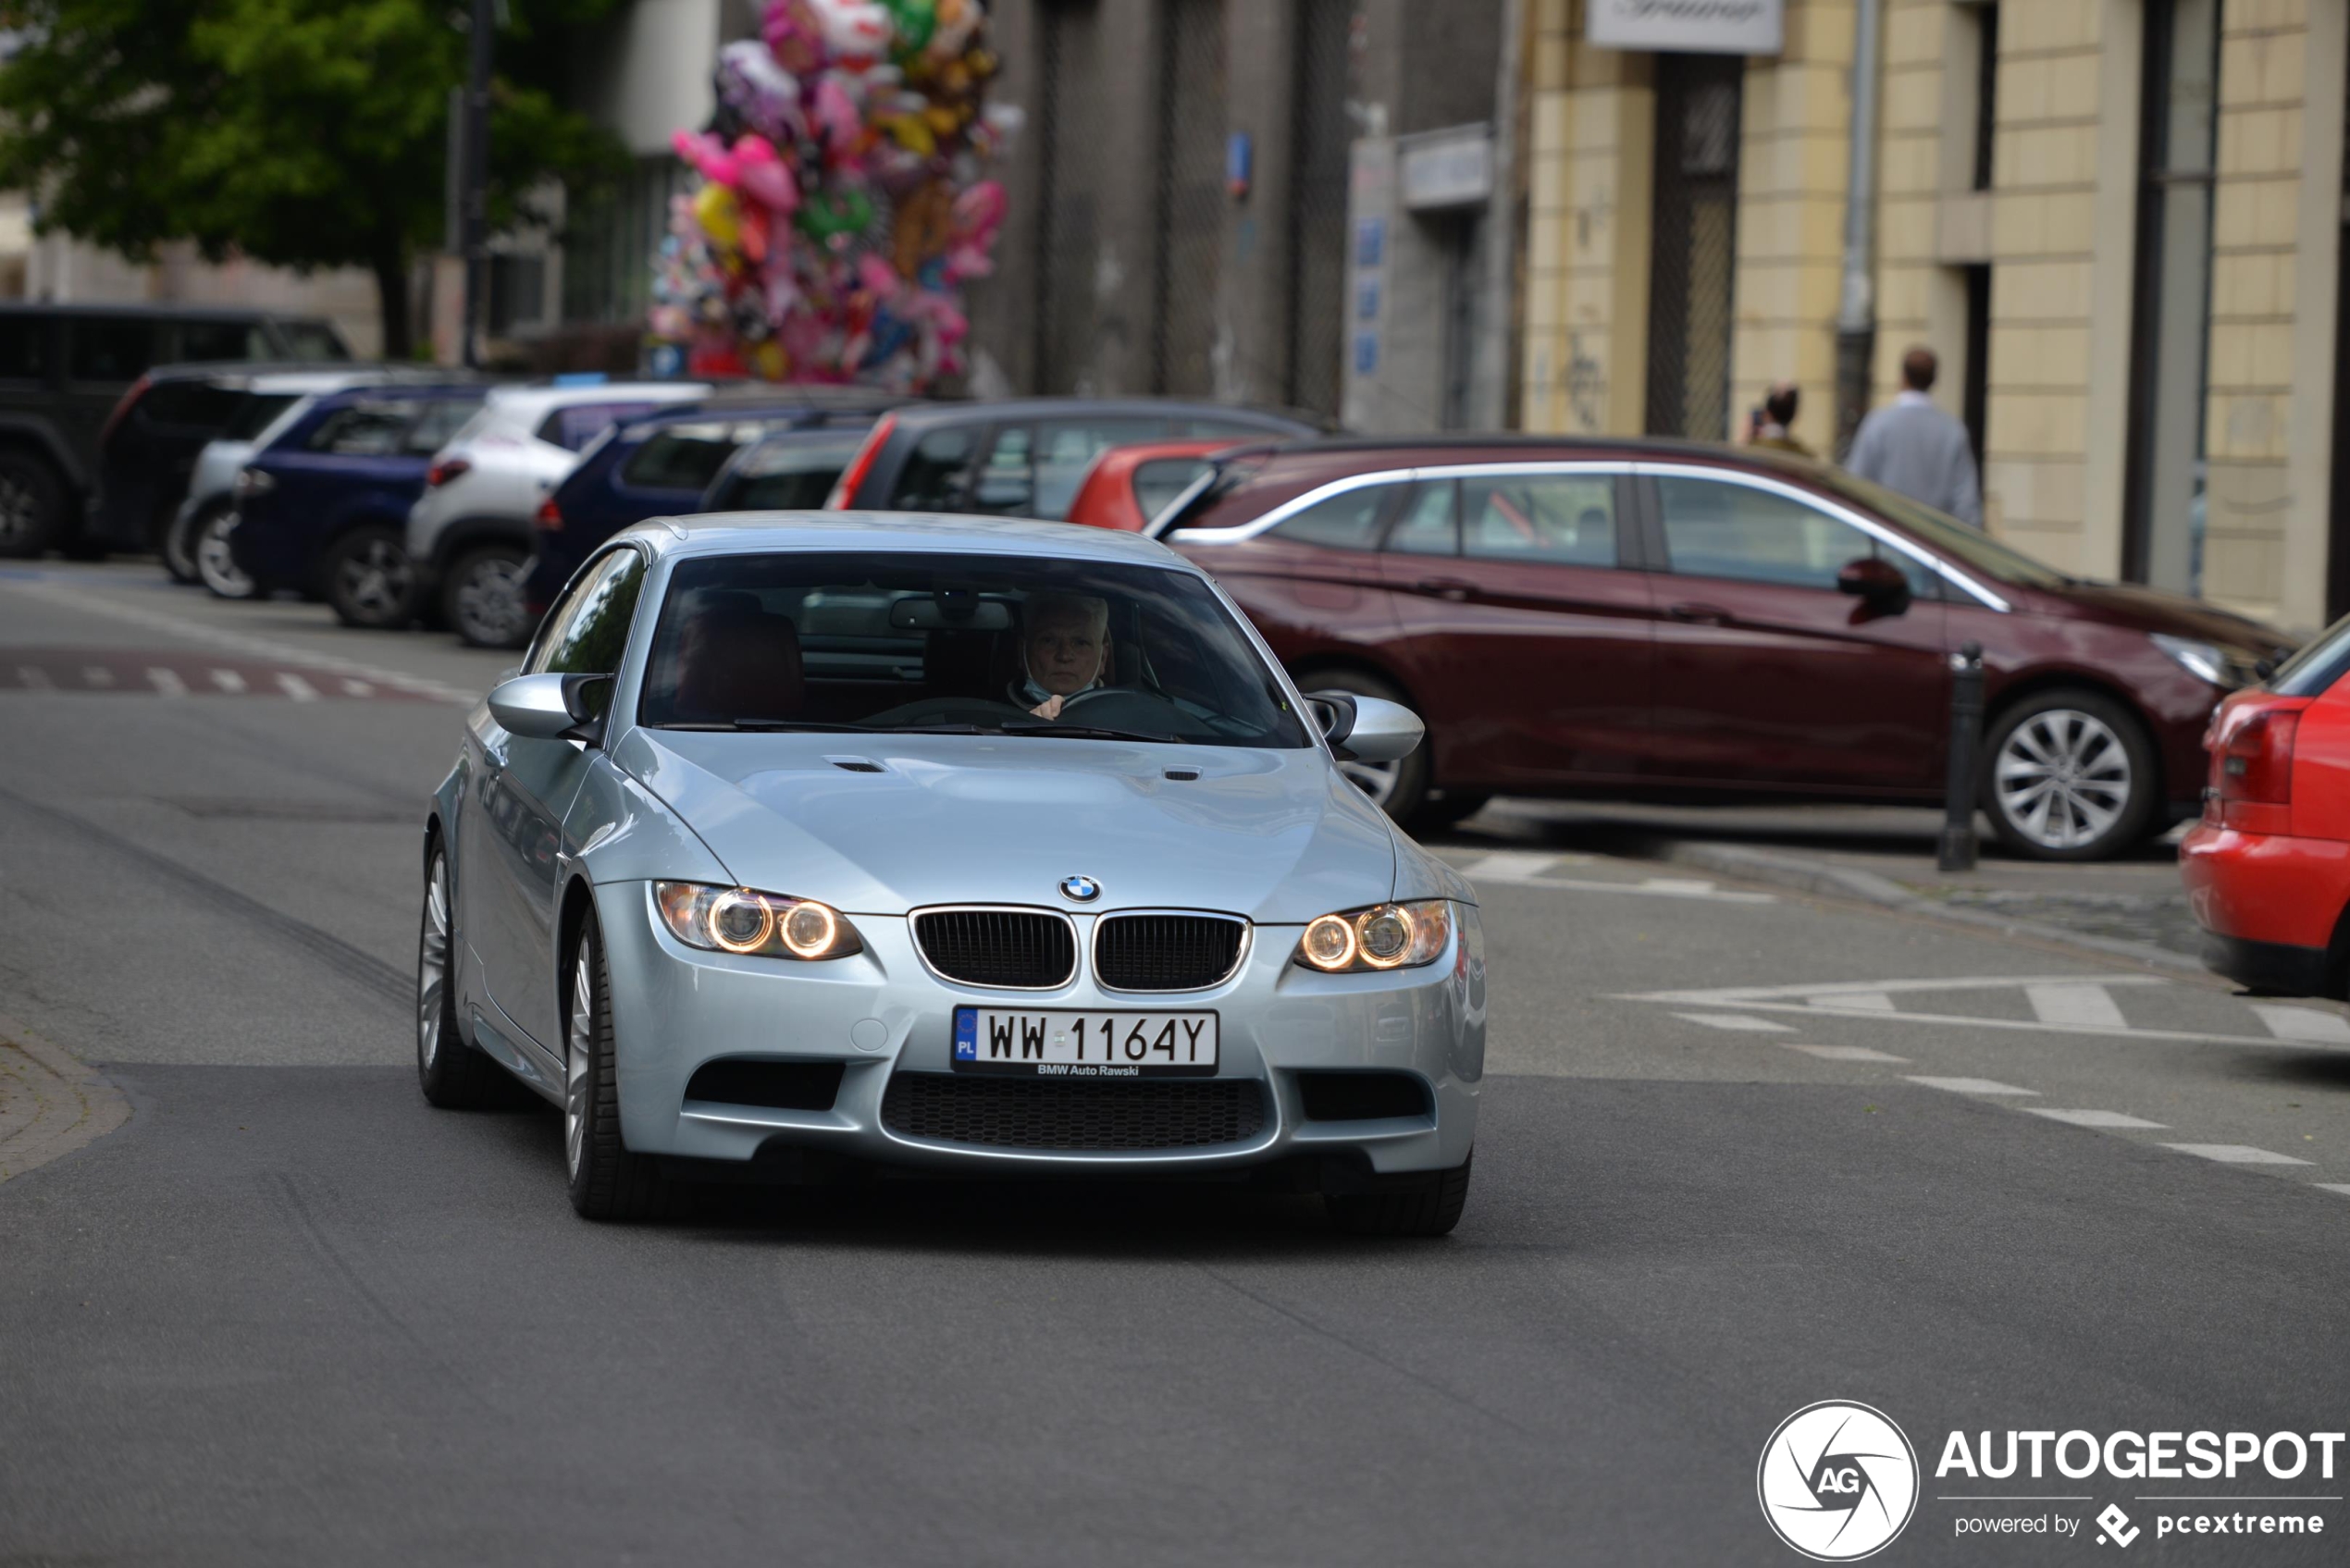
{"x": 856, "y": 764}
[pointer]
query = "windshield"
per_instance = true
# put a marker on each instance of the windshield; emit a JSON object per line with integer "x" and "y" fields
{"x": 960, "y": 644}
{"x": 2320, "y": 663}
{"x": 1970, "y": 548}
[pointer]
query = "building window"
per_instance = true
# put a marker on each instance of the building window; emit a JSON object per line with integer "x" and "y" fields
{"x": 1975, "y": 399}
{"x": 1694, "y": 255}
{"x": 2178, "y": 142}
{"x": 1987, "y": 91}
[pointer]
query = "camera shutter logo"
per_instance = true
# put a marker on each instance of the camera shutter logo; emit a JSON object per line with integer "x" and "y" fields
{"x": 1838, "y": 1481}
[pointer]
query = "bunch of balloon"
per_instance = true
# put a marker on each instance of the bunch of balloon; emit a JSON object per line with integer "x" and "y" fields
{"x": 842, "y": 201}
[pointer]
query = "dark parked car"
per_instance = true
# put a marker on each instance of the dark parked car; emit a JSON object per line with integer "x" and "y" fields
{"x": 323, "y": 507}
{"x": 1023, "y": 458}
{"x": 1671, "y": 619}
{"x": 662, "y": 464}
{"x": 64, "y": 371}
{"x": 784, "y": 470}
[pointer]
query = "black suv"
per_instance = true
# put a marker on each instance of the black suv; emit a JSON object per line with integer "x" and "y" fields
{"x": 64, "y": 371}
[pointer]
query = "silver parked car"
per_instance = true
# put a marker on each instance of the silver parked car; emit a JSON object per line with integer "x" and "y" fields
{"x": 983, "y": 846}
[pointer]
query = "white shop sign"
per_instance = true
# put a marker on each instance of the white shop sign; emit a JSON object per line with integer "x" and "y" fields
{"x": 1701, "y": 27}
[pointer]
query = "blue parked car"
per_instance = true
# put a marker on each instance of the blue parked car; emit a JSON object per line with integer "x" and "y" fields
{"x": 323, "y": 507}
{"x": 659, "y": 465}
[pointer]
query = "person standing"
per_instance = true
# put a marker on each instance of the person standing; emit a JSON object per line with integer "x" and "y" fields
{"x": 1778, "y": 419}
{"x": 1915, "y": 448}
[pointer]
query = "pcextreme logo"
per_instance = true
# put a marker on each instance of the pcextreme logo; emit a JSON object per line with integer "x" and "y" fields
{"x": 1838, "y": 1481}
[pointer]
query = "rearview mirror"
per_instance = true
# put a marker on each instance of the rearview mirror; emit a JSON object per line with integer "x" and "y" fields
{"x": 552, "y": 707}
{"x": 1874, "y": 581}
{"x": 950, "y": 611}
{"x": 1365, "y": 729}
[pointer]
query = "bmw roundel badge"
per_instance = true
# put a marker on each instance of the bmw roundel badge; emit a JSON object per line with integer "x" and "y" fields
{"x": 1084, "y": 890}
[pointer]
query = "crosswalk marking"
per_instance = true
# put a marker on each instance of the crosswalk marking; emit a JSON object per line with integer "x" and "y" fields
{"x": 1733, "y": 1021}
{"x": 293, "y": 686}
{"x": 2304, "y": 1025}
{"x": 228, "y": 680}
{"x": 2096, "y": 1118}
{"x": 357, "y": 689}
{"x": 166, "y": 683}
{"x": 33, "y": 679}
{"x": 2074, "y": 1002}
{"x": 2234, "y": 1153}
{"x": 1847, "y": 1054}
{"x": 1972, "y": 1085}
{"x": 97, "y": 675}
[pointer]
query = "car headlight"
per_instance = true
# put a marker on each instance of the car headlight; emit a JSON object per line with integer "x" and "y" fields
{"x": 740, "y": 921}
{"x": 1385, "y": 936}
{"x": 2223, "y": 666}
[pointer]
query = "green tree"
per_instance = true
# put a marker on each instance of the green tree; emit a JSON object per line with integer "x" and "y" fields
{"x": 301, "y": 133}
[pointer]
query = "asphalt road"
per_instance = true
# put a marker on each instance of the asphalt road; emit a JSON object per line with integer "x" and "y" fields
{"x": 1740, "y": 1152}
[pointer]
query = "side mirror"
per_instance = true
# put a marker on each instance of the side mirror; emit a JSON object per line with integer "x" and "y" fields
{"x": 1874, "y": 581}
{"x": 1365, "y": 729}
{"x": 552, "y": 707}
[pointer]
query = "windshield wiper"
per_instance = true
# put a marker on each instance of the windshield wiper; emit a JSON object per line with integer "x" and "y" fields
{"x": 767, "y": 726}
{"x": 1085, "y": 732}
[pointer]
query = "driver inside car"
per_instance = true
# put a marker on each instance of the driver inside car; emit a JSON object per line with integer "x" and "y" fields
{"x": 1064, "y": 650}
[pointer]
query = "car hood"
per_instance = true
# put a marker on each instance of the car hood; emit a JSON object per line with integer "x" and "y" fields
{"x": 1277, "y": 835}
{"x": 2153, "y": 610}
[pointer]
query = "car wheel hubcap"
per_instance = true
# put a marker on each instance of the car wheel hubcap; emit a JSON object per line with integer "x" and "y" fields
{"x": 217, "y": 566}
{"x": 2063, "y": 778}
{"x": 576, "y": 1067}
{"x": 18, "y": 512}
{"x": 432, "y": 963}
{"x": 375, "y": 581}
{"x": 489, "y": 601}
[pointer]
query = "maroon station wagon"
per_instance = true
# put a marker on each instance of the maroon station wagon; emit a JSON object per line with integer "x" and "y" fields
{"x": 1673, "y": 621}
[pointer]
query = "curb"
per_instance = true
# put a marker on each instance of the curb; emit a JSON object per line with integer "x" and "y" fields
{"x": 50, "y": 1104}
{"x": 1867, "y": 887}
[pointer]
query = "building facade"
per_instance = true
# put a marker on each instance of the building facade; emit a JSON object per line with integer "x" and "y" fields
{"x": 2117, "y": 222}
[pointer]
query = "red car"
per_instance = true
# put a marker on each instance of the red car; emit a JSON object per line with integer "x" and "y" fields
{"x": 1667, "y": 620}
{"x": 1127, "y": 486}
{"x": 2268, "y": 867}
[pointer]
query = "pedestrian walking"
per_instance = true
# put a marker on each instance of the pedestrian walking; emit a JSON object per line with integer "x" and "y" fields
{"x": 1778, "y": 419}
{"x": 1915, "y": 448}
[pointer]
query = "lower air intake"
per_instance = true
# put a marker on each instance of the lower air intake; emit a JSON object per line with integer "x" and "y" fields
{"x": 1019, "y": 1113}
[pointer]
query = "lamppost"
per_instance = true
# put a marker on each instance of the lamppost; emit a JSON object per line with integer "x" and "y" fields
{"x": 473, "y": 199}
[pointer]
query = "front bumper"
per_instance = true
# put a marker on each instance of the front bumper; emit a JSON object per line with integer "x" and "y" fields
{"x": 880, "y": 1013}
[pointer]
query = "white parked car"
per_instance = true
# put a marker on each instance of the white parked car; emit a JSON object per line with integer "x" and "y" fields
{"x": 470, "y": 538}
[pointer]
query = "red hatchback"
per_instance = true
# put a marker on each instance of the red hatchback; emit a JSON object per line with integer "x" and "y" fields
{"x": 1645, "y": 618}
{"x": 2268, "y": 869}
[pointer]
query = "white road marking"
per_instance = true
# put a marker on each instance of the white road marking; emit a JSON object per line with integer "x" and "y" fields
{"x": 1863, "y": 1002}
{"x": 2234, "y": 1153}
{"x": 357, "y": 689}
{"x": 1972, "y": 1085}
{"x": 1509, "y": 865}
{"x": 166, "y": 683}
{"x": 1846, "y": 1054}
{"x": 296, "y": 688}
{"x": 1738, "y": 995}
{"x": 97, "y": 676}
{"x": 1677, "y": 885}
{"x": 2340, "y": 1187}
{"x": 236, "y": 642}
{"x": 1659, "y": 888}
{"x": 228, "y": 680}
{"x": 1733, "y": 1021}
{"x": 2074, "y": 1002}
{"x": 2304, "y": 1025}
{"x": 33, "y": 679}
{"x": 2095, "y": 1119}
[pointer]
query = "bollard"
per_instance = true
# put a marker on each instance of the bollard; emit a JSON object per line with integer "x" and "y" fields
{"x": 1966, "y": 743}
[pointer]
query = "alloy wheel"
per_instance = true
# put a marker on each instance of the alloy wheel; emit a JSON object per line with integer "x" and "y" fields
{"x": 216, "y": 565}
{"x": 432, "y": 963}
{"x": 376, "y": 580}
{"x": 489, "y": 601}
{"x": 2063, "y": 778}
{"x": 19, "y": 511}
{"x": 1376, "y": 780}
{"x": 578, "y": 1077}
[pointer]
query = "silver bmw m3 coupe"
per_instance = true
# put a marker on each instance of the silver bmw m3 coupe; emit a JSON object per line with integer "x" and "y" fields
{"x": 807, "y": 843}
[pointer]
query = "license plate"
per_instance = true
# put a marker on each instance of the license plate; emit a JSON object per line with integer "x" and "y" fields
{"x": 1072, "y": 1044}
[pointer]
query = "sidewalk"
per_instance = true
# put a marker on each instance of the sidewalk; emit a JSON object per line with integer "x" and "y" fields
{"x": 2133, "y": 908}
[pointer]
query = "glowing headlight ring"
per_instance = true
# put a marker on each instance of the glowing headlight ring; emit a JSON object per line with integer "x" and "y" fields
{"x": 828, "y": 932}
{"x": 1403, "y": 953}
{"x": 732, "y": 898}
{"x": 1344, "y": 960}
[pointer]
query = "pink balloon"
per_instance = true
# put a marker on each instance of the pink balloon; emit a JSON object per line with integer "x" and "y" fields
{"x": 707, "y": 153}
{"x": 765, "y": 177}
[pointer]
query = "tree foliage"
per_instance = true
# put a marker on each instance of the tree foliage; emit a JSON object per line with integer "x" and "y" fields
{"x": 301, "y": 133}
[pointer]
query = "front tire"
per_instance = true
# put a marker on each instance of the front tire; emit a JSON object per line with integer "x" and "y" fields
{"x": 1426, "y": 1204}
{"x": 2069, "y": 774}
{"x": 607, "y": 1181}
{"x": 217, "y": 566}
{"x": 454, "y": 1076}
{"x": 370, "y": 582}
{"x": 179, "y": 540}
